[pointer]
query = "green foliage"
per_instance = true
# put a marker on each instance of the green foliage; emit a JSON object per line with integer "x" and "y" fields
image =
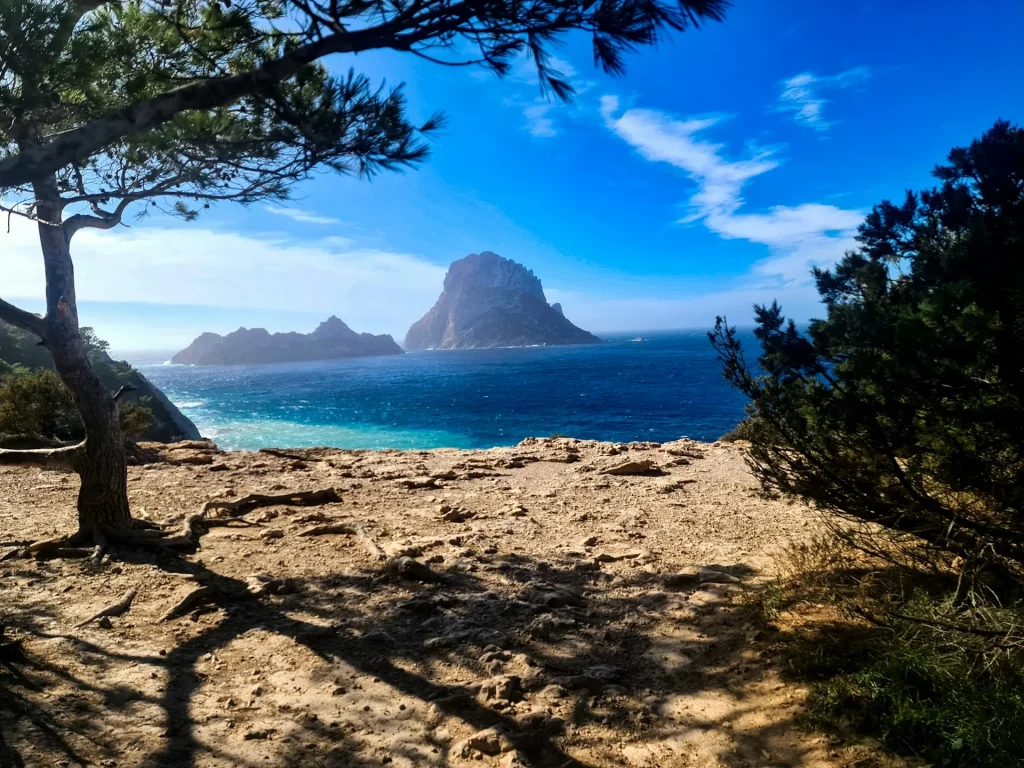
{"x": 925, "y": 703}
{"x": 36, "y": 404}
{"x": 904, "y": 406}
{"x": 763, "y": 604}
{"x": 950, "y": 697}
{"x": 62, "y": 72}
{"x": 742, "y": 431}
{"x": 34, "y": 401}
{"x": 136, "y": 419}
{"x": 900, "y": 654}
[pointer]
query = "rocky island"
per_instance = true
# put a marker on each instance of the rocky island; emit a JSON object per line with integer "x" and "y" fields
{"x": 490, "y": 301}
{"x": 332, "y": 340}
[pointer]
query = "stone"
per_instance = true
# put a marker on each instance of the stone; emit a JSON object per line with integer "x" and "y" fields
{"x": 553, "y": 691}
{"x": 396, "y": 549}
{"x": 514, "y": 759}
{"x": 632, "y": 467}
{"x": 686, "y": 578}
{"x": 502, "y": 688}
{"x": 614, "y": 557}
{"x": 710, "y": 576}
{"x": 490, "y": 741}
{"x": 550, "y": 597}
{"x": 271, "y": 533}
{"x": 457, "y": 515}
{"x": 580, "y": 682}
{"x": 414, "y": 570}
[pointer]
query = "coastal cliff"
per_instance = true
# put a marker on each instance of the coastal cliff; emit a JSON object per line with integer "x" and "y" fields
{"x": 490, "y": 301}
{"x": 332, "y": 340}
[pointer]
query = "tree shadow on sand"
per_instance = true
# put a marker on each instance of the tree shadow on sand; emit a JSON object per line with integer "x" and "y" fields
{"x": 572, "y": 667}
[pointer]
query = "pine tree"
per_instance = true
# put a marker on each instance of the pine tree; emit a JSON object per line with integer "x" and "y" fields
{"x": 904, "y": 407}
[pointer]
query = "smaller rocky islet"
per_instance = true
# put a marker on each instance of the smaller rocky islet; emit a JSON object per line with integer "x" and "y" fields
{"x": 332, "y": 340}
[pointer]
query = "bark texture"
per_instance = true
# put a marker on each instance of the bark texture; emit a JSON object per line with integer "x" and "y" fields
{"x": 101, "y": 464}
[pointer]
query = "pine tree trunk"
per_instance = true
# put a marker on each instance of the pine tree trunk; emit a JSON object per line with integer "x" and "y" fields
{"x": 103, "y": 467}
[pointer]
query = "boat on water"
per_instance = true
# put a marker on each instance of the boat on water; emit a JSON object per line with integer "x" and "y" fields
{"x": 639, "y": 338}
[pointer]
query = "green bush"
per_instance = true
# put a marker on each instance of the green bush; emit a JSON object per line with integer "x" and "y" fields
{"x": 921, "y": 693}
{"x": 742, "y": 431}
{"x": 900, "y": 416}
{"x": 37, "y": 404}
{"x": 904, "y": 406}
{"x": 34, "y": 403}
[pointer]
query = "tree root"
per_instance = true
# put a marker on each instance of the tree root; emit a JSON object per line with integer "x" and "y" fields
{"x": 350, "y": 530}
{"x": 117, "y": 609}
{"x": 256, "y": 500}
{"x": 145, "y": 534}
{"x": 190, "y": 601}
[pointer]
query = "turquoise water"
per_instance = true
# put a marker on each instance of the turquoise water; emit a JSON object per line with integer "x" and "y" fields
{"x": 663, "y": 388}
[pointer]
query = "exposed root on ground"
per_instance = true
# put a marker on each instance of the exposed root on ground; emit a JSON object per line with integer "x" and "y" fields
{"x": 190, "y": 601}
{"x": 144, "y": 534}
{"x": 349, "y": 530}
{"x": 117, "y": 609}
{"x": 255, "y": 500}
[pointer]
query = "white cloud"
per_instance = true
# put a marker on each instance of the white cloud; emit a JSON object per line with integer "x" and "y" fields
{"x": 372, "y": 290}
{"x": 302, "y": 216}
{"x": 537, "y": 121}
{"x": 802, "y": 95}
{"x": 539, "y": 111}
{"x": 800, "y": 237}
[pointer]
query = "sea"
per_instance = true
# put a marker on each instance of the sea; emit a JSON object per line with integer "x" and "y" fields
{"x": 656, "y": 386}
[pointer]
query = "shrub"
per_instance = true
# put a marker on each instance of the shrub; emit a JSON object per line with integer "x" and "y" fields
{"x": 904, "y": 660}
{"x": 37, "y": 404}
{"x": 900, "y": 416}
{"x": 742, "y": 431}
{"x": 904, "y": 406}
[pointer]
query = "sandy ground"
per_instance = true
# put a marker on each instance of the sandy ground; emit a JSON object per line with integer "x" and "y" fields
{"x": 569, "y": 618}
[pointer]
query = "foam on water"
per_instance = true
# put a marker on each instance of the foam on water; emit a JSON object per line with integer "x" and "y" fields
{"x": 669, "y": 387}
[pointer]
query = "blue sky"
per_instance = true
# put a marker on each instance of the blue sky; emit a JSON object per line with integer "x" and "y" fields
{"x": 726, "y": 163}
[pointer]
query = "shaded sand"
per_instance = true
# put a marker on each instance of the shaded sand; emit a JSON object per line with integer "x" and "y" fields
{"x": 569, "y": 616}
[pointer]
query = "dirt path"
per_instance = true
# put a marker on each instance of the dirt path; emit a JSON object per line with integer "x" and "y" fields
{"x": 566, "y": 616}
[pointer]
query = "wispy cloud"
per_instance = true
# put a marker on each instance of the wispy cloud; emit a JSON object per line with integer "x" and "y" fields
{"x": 302, "y": 216}
{"x": 538, "y": 120}
{"x": 371, "y": 289}
{"x": 802, "y": 95}
{"x": 539, "y": 110}
{"x": 799, "y": 237}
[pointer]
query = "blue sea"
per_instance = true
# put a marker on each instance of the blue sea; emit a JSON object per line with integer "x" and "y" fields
{"x": 665, "y": 387}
